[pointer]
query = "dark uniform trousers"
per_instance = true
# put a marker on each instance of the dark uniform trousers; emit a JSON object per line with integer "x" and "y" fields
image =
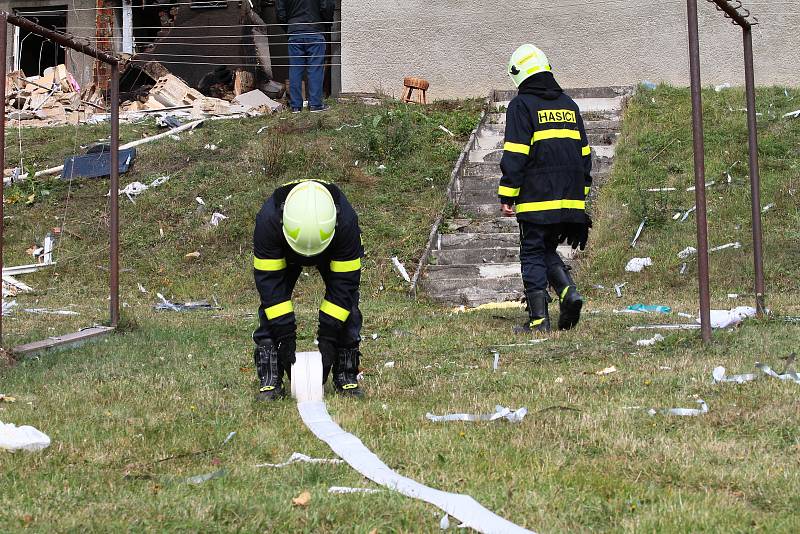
{"x": 538, "y": 244}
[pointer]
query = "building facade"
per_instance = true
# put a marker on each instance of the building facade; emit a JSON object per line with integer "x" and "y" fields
{"x": 462, "y": 48}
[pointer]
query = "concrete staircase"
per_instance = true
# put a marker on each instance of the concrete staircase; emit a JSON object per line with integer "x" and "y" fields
{"x": 475, "y": 256}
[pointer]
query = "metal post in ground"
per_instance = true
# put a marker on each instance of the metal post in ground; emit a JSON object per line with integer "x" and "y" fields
{"x": 755, "y": 179}
{"x": 114, "y": 198}
{"x": 699, "y": 171}
{"x": 3, "y": 64}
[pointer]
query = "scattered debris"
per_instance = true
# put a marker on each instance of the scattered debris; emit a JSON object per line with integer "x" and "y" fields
{"x": 8, "y": 307}
{"x": 192, "y": 255}
{"x": 719, "y": 88}
{"x": 445, "y": 130}
{"x": 507, "y": 305}
{"x": 389, "y": 365}
{"x": 708, "y": 184}
{"x": 718, "y": 375}
{"x": 683, "y": 412}
{"x": 256, "y": 99}
{"x": 500, "y": 412}
{"x": 676, "y": 216}
{"x": 768, "y": 207}
{"x": 7, "y": 398}
{"x": 606, "y": 371}
{"x": 526, "y": 344}
{"x": 726, "y": 318}
{"x": 45, "y": 311}
{"x": 199, "y": 479}
{"x": 661, "y": 189}
{"x": 649, "y": 308}
{"x": 210, "y": 146}
{"x": 618, "y": 289}
{"x": 96, "y": 163}
{"x": 665, "y": 327}
{"x": 792, "y": 114}
{"x": 688, "y": 212}
{"x": 684, "y": 267}
{"x": 186, "y": 306}
{"x": 638, "y": 233}
{"x": 141, "y": 288}
{"x": 200, "y": 201}
{"x": 302, "y": 500}
{"x": 637, "y": 265}
{"x": 343, "y": 126}
{"x": 687, "y": 253}
{"x": 726, "y": 246}
{"x": 217, "y": 218}
{"x": 401, "y": 269}
{"x": 300, "y": 457}
{"x": 764, "y": 368}
{"x": 686, "y": 315}
{"x": 444, "y": 522}
{"x": 346, "y": 490}
{"x": 496, "y": 361}
{"x": 649, "y": 342}
{"x": 26, "y": 438}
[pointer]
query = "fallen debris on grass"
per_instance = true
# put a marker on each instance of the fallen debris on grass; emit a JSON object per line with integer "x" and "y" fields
{"x": 302, "y": 500}
{"x": 606, "y": 371}
{"x": 687, "y": 252}
{"x": 401, "y": 269}
{"x": 682, "y": 412}
{"x": 764, "y": 368}
{"x": 726, "y": 246}
{"x": 205, "y": 477}
{"x": 726, "y": 318}
{"x": 26, "y": 438}
{"x": 637, "y": 265}
{"x": 346, "y": 490}
{"x": 649, "y": 308}
{"x": 618, "y": 289}
{"x": 300, "y": 457}
{"x": 638, "y": 233}
{"x": 718, "y": 375}
{"x": 507, "y": 305}
{"x": 217, "y": 218}
{"x": 652, "y": 341}
{"x": 45, "y": 311}
{"x": 665, "y": 327}
{"x": 7, "y": 398}
{"x": 186, "y": 306}
{"x": 500, "y": 412}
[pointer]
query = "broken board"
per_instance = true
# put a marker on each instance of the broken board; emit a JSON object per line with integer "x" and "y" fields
{"x": 96, "y": 165}
{"x": 62, "y": 342}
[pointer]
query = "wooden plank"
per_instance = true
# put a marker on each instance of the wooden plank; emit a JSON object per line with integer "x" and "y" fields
{"x": 62, "y": 342}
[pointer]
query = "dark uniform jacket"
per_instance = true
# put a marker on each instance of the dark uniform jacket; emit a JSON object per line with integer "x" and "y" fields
{"x": 277, "y": 267}
{"x": 547, "y": 160}
{"x": 299, "y": 13}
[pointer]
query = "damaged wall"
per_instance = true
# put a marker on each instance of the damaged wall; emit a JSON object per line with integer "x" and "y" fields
{"x": 463, "y": 48}
{"x": 80, "y": 17}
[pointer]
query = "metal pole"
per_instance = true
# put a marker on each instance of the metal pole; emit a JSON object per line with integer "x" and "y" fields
{"x": 755, "y": 179}
{"x": 114, "y": 238}
{"x": 699, "y": 171}
{"x": 3, "y": 46}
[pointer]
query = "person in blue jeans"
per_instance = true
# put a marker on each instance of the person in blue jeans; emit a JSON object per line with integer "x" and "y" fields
{"x": 305, "y": 20}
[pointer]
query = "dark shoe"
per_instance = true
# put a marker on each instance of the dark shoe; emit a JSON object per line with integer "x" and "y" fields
{"x": 296, "y": 110}
{"x": 345, "y": 373}
{"x": 270, "y": 372}
{"x": 537, "y": 310}
{"x": 319, "y": 109}
{"x": 569, "y": 300}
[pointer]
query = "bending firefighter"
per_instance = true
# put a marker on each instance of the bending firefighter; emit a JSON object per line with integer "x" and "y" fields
{"x": 546, "y": 169}
{"x": 303, "y": 224}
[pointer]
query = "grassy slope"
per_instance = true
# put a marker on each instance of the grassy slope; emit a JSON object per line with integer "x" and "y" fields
{"x": 180, "y": 383}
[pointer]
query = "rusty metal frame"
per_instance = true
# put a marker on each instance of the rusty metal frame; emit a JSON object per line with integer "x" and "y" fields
{"x": 740, "y": 16}
{"x": 26, "y": 24}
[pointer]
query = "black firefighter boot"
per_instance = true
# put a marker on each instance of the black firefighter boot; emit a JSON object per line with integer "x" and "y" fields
{"x": 270, "y": 372}
{"x": 570, "y": 301}
{"x": 345, "y": 372}
{"x": 537, "y": 310}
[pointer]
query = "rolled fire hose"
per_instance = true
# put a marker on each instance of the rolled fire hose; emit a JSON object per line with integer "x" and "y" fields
{"x": 306, "y": 387}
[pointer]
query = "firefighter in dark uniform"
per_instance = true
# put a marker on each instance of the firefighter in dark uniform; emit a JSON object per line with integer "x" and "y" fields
{"x": 303, "y": 224}
{"x": 546, "y": 169}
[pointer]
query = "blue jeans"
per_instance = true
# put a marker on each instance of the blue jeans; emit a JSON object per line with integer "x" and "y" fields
{"x": 307, "y": 51}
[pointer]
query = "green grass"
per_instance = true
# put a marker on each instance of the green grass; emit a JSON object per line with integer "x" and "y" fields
{"x": 178, "y": 383}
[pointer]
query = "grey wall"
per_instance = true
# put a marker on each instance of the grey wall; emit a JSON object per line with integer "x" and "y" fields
{"x": 463, "y": 47}
{"x": 80, "y": 23}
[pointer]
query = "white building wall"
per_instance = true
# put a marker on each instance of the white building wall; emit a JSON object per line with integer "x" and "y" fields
{"x": 463, "y": 47}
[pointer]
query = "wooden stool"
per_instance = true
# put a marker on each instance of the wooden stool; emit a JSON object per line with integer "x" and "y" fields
{"x": 411, "y": 83}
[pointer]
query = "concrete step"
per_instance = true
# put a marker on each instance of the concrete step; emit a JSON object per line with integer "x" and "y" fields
{"x": 591, "y": 126}
{"x": 488, "y": 143}
{"x": 580, "y": 92}
{"x": 485, "y": 226}
{"x": 472, "y": 256}
{"x": 600, "y": 143}
{"x": 470, "y": 290}
{"x": 479, "y": 241}
{"x": 485, "y": 270}
{"x": 469, "y": 296}
{"x": 602, "y": 159}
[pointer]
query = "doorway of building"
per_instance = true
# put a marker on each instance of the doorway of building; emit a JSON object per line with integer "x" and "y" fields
{"x": 32, "y": 53}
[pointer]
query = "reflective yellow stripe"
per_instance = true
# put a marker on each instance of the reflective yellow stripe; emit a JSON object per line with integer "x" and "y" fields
{"x": 269, "y": 265}
{"x": 519, "y": 148}
{"x": 346, "y": 266}
{"x": 526, "y": 58}
{"x": 537, "y": 322}
{"x": 586, "y": 190}
{"x": 548, "y": 205}
{"x": 586, "y": 151}
{"x": 273, "y": 312}
{"x": 504, "y": 191}
{"x": 555, "y": 133}
{"x": 350, "y": 386}
{"x": 337, "y": 312}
